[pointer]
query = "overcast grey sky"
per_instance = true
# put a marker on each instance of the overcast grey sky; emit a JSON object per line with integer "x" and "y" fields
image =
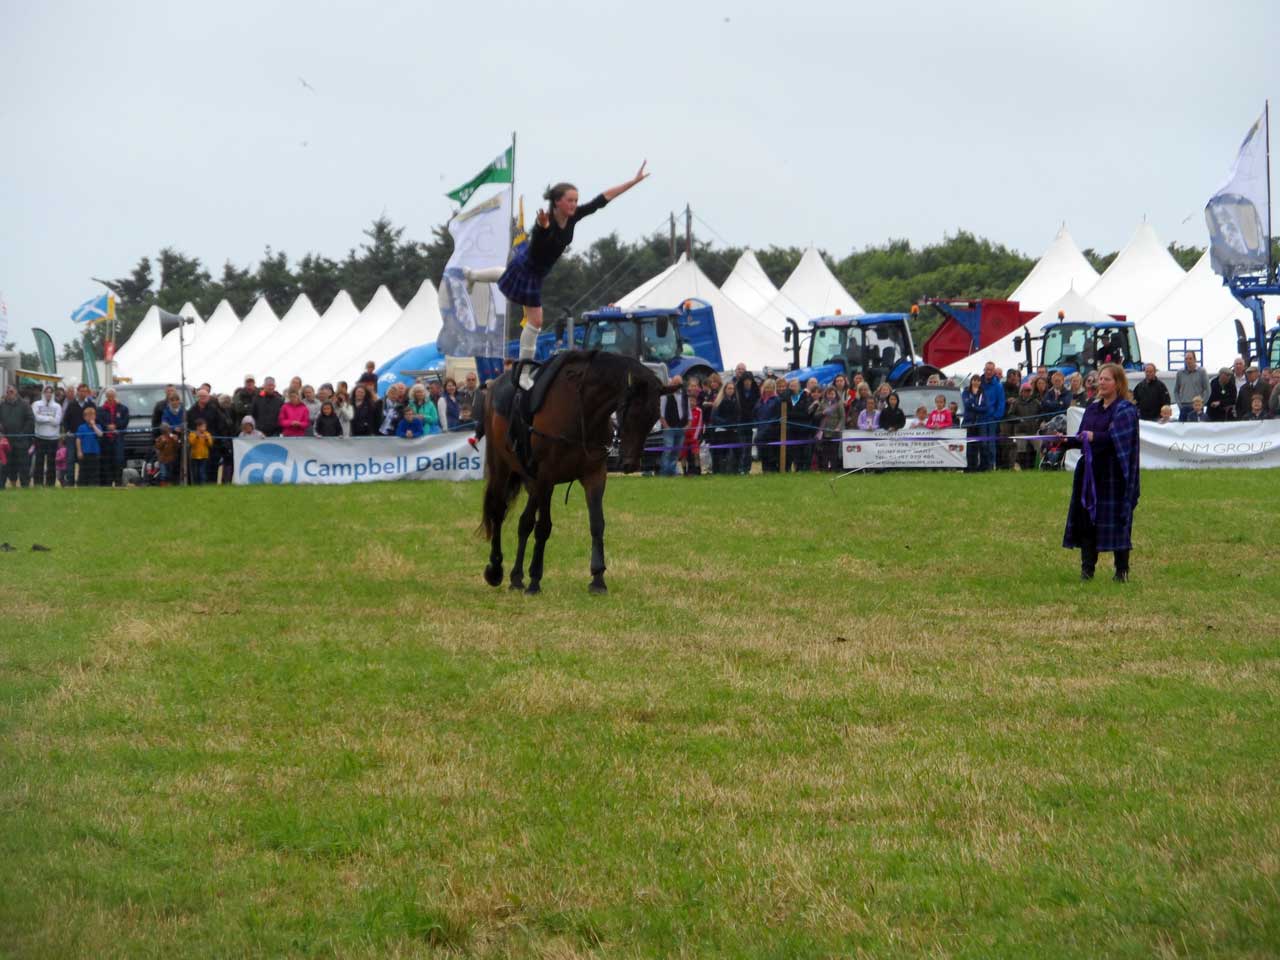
{"x": 130, "y": 126}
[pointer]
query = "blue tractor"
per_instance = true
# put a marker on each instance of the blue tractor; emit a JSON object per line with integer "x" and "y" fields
{"x": 678, "y": 341}
{"x": 1263, "y": 346}
{"x": 1077, "y": 346}
{"x": 876, "y": 345}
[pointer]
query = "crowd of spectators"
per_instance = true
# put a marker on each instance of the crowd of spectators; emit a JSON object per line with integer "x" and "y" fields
{"x": 69, "y": 439}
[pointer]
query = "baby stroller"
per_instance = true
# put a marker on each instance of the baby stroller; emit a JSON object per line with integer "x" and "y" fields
{"x": 1052, "y": 451}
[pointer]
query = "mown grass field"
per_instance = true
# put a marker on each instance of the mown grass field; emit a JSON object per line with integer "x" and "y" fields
{"x": 886, "y": 720}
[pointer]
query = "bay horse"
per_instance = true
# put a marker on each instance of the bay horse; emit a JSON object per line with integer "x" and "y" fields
{"x": 569, "y": 440}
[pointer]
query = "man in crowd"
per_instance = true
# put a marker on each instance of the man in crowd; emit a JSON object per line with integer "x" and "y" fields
{"x": 993, "y": 392}
{"x": 675, "y": 415}
{"x": 242, "y": 401}
{"x": 157, "y": 412}
{"x": 206, "y": 410}
{"x": 19, "y": 425}
{"x": 1238, "y": 372}
{"x": 467, "y": 397}
{"x": 1222, "y": 397}
{"x": 1254, "y": 385}
{"x": 1191, "y": 382}
{"x": 266, "y": 408}
{"x": 72, "y": 417}
{"x": 1150, "y": 394}
{"x": 48, "y": 416}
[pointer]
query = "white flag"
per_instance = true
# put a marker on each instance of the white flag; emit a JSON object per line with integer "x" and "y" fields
{"x": 1238, "y": 215}
{"x": 481, "y": 240}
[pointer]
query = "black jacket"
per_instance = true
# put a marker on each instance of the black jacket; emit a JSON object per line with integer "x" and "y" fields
{"x": 892, "y": 418}
{"x": 675, "y": 413}
{"x": 1149, "y": 396}
{"x": 266, "y": 413}
{"x": 212, "y": 416}
{"x": 328, "y": 425}
{"x": 73, "y": 414}
{"x": 1222, "y": 399}
{"x": 365, "y": 418}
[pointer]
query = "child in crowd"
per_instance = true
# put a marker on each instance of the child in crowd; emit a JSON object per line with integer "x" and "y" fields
{"x": 89, "y": 448}
{"x": 953, "y": 408}
{"x": 411, "y": 424}
{"x": 60, "y": 464}
{"x": 940, "y": 417}
{"x": 201, "y": 441}
{"x": 1197, "y": 414}
{"x": 921, "y": 419}
{"x": 167, "y": 454}
{"x": 4, "y": 452}
{"x": 327, "y": 422}
{"x": 249, "y": 430}
{"x": 1166, "y": 414}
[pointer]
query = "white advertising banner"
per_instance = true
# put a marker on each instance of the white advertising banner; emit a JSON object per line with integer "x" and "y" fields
{"x": 445, "y": 456}
{"x": 882, "y": 450}
{"x": 1246, "y": 444}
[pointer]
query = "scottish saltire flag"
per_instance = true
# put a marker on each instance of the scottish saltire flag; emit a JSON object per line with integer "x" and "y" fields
{"x": 1239, "y": 214}
{"x": 501, "y": 170}
{"x": 92, "y": 311}
{"x": 475, "y": 320}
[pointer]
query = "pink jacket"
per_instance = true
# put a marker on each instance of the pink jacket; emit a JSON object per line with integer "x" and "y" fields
{"x": 294, "y": 419}
{"x": 938, "y": 419}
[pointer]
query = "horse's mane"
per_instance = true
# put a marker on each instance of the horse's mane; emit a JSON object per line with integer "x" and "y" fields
{"x": 614, "y": 366}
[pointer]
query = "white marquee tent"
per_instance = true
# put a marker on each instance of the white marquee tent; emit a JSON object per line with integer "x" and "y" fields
{"x": 1002, "y": 353}
{"x": 743, "y": 339}
{"x": 1061, "y": 268}
{"x": 204, "y": 350}
{"x": 1140, "y": 277}
{"x": 418, "y": 323}
{"x": 1200, "y": 308}
{"x": 748, "y": 285}
{"x": 348, "y": 346}
{"x": 161, "y": 363}
{"x": 334, "y": 321}
{"x": 225, "y": 371}
{"x": 811, "y": 291}
{"x": 145, "y": 337}
{"x": 270, "y": 356}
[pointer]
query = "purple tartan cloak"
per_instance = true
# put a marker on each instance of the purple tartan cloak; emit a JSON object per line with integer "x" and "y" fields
{"x": 1115, "y": 475}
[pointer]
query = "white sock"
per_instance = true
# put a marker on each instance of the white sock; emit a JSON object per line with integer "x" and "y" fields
{"x": 529, "y": 341}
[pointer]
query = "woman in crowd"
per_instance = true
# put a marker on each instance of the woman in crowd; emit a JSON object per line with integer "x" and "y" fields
{"x": 364, "y": 413}
{"x": 452, "y": 408}
{"x": 975, "y": 412}
{"x": 423, "y": 406}
{"x": 892, "y": 417}
{"x": 748, "y": 400}
{"x": 767, "y": 414}
{"x": 1222, "y": 397}
{"x": 295, "y": 418}
{"x": 1075, "y": 387}
{"x": 327, "y": 423}
{"x": 392, "y": 410}
{"x": 841, "y": 383}
{"x": 1057, "y": 398}
{"x": 883, "y": 393}
{"x": 1091, "y": 388}
{"x": 726, "y": 415}
{"x": 869, "y": 416}
{"x": 831, "y": 421}
{"x": 1105, "y": 488}
{"x": 113, "y": 419}
{"x": 312, "y": 403}
{"x": 342, "y": 407}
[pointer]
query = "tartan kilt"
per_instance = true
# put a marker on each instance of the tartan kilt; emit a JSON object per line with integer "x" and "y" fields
{"x": 520, "y": 284}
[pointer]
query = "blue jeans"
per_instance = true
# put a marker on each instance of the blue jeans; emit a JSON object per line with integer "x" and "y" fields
{"x": 672, "y": 441}
{"x": 987, "y": 448}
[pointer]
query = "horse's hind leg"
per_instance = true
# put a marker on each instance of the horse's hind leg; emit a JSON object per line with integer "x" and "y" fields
{"x": 527, "y": 519}
{"x": 496, "y": 499}
{"x": 594, "y": 488}
{"x": 541, "y": 533}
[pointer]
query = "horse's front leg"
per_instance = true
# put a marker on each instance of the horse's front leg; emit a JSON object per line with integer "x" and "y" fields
{"x": 594, "y": 489}
{"x": 527, "y": 519}
{"x": 541, "y": 533}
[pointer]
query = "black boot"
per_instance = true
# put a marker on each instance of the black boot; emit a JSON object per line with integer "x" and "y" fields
{"x": 1122, "y": 566}
{"x": 1088, "y": 562}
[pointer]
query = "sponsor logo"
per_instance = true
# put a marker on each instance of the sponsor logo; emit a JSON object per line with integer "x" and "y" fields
{"x": 267, "y": 463}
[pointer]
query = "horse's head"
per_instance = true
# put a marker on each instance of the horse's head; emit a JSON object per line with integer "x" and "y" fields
{"x": 638, "y": 412}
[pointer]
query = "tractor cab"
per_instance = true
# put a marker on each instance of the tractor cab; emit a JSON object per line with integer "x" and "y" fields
{"x": 1081, "y": 347}
{"x": 680, "y": 341}
{"x": 876, "y": 345}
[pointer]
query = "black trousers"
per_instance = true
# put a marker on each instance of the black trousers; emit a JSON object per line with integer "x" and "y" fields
{"x": 16, "y": 469}
{"x": 44, "y": 471}
{"x": 89, "y": 470}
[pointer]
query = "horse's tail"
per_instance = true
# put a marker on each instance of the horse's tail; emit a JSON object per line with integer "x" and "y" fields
{"x": 496, "y": 501}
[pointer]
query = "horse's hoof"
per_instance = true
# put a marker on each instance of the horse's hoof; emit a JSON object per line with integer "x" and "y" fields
{"x": 516, "y": 585}
{"x": 493, "y": 575}
{"x": 532, "y": 588}
{"x": 597, "y": 588}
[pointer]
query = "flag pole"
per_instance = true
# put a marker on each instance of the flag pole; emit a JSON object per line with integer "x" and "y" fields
{"x": 511, "y": 226}
{"x": 1267, "y": 114}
